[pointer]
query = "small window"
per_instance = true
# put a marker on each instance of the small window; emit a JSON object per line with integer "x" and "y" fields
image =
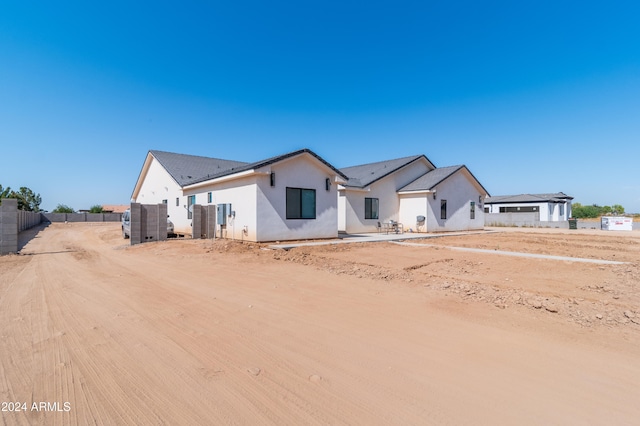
{"x": 209, "y": 197}
{"x": 443, "y": 209}
{"x": 486, "y": 209}
{"x": 472, "y": 211}
{"x": 301, "y": 203}
{"x": 191, "y": 200}
{"x": 371, "y": 208}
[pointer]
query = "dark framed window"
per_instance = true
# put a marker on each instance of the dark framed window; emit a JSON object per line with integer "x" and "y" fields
{"x": 371, "y": 208}
{"x": 521, "y": 209}
{"x": 191, "y": 200}
{"x": 301, "y": 203}
{"x": 443, "y": 209}
{"x": 472, "y": 210}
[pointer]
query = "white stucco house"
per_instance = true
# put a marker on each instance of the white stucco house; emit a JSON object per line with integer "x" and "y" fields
{"x": 412, "y": 192}
{"x": 552, "y": 207}
{"x": 289, "y": 197}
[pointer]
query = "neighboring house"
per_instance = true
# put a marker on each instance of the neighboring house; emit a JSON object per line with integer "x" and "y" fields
{"x": 114, "y": 208}
{"x": 413, "y": 192}
{"x": 542, "y": 207}
{"x": 289, "y": 197}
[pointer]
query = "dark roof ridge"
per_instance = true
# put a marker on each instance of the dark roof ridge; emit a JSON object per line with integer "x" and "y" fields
{"x": 357, "y": 174}
{"x": 265, "y": 162}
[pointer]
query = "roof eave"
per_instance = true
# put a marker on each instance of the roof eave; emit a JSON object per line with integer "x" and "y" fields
{"x": 226, "y": 178}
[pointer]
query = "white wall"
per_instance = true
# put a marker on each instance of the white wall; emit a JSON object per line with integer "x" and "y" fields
{"x": 386, "y": 191}
{"x": 306, "y": 172}
{"x": 411, "y": 206}
{"x": 260, "y": 209}
{"x": 342, "y": 208}
{"x": 158, "y": 185}
{"x": 459, "y": 193}
{"x": 241, "y": 194}
{"x": 549, "y": 212}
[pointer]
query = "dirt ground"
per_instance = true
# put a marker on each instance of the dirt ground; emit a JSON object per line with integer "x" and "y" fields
{"x": 95, "y": 331}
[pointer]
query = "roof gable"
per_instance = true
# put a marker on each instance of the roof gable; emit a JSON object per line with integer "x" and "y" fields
{"x": 262, "y": 163}
{"x": 431, "y": 179}
{"x": 366, "y": 174}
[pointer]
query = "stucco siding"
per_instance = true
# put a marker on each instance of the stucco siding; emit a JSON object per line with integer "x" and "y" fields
{"x": 549, "y": 212}
{"x": 299, "y": 172}
{"x": 158, "y": 185}
{"x": 342, "y": 208}
{"x": 412, "y": 206}
{"x": 385, "y": 190}
{"x": 459, "y": 192}
{"x": 241, "y": 194}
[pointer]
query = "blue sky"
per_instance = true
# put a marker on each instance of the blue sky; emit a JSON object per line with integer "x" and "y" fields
{"x": 533, "y": 97}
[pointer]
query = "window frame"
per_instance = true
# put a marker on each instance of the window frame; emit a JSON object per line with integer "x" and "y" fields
{"x": 370, "y": 210}
{"x": 300, "y": 210}
{"x": 191, "y": 200}
{"x": 472, "y": 210}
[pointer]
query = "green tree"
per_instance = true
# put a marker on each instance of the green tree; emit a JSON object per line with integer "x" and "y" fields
{"x": 63, "y": 208}
{"x": 27, "y": 199}
{"x": 583, "y": 212}
{"x": 617, "y": 209}
{"x": 4, "y": 192}
{"x": 96, "y": 209}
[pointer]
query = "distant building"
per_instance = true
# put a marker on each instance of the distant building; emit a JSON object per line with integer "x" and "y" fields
{"x": 114, "y": 208}
{"x": 554, "y": 207}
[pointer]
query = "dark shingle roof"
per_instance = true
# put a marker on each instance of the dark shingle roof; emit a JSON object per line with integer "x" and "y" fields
{"x": 431, "y": 179}
{"x": 366, "y": 174}
{"x": 191, "y": 169}
{"x": 529, "y": 198}
{"x": 186, "y": 168}
{"x": 266, "y": 162}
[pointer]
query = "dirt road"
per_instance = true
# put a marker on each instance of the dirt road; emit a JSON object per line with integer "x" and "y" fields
{"x": 198, "y": 332}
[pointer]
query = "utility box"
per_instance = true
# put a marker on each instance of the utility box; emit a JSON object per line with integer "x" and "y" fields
{"x": 222, "y": 214}
{"x": 611, "y": 223}
{"x": 223, "y": 211}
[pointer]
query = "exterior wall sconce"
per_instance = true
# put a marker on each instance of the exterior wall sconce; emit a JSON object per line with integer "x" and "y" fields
{"x": 434, "y": 195}
{"x": 272, "y": 178}
{"x": 327, "y": 183}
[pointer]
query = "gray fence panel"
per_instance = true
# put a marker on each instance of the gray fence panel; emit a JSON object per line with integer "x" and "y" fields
{"x": 148, "y": 223}
{"x": 9, "y": 226}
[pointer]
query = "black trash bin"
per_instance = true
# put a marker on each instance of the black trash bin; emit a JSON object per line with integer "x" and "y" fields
{"x": 573, "y": 223}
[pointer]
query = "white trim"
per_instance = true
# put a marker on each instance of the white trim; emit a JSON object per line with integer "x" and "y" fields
{"x": 224, "y": 179}
{"x": 342, "y": 188}
{"x": 421, "y": 191}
